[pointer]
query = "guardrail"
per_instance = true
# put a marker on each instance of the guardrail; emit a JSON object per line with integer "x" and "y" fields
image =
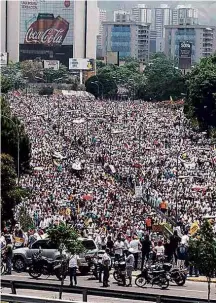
{"x": 27, "y": 299}
{"x": 14, "y": 285}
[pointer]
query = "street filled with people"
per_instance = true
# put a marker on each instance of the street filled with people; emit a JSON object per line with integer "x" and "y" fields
{"x": 114, "y": 170}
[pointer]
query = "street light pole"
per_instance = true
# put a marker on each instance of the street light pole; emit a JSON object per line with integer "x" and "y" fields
{"x": 18, "y": 148}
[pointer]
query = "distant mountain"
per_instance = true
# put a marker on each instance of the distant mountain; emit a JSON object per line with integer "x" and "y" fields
{"x": 207, "y": 9}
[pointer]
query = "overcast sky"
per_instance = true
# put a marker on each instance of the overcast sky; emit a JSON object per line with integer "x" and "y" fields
{"x": 207, "y": 9}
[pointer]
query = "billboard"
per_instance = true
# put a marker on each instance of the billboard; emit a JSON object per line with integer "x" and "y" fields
{"x": 112, "y": 58}
{"x": 51, "y": 64}
{"x": 4, "y": 59}
{"x": 81, "y": 64}
{"x": 46, "y": 30}
{"x": 185, "y": 53}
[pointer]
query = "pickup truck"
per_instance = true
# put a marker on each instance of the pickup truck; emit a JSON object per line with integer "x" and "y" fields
{"x": 22, "y": 257}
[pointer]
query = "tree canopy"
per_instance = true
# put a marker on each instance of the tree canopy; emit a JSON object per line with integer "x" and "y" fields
{"x": 11, "y": 128}
{"x": 200, "y": 102}
{"x": 202, "y": 252}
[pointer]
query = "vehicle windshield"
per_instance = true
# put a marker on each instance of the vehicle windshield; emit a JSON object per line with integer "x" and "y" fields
{"x": 89, "y": 244}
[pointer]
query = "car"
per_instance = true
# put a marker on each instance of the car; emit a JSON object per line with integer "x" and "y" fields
{"x": 22, "y": 257}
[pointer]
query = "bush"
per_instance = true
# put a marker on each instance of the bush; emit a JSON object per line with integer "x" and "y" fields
{"x": 46, "y": 90}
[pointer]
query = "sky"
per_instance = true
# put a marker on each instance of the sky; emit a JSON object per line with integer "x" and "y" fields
{"x": 207, "y": 9}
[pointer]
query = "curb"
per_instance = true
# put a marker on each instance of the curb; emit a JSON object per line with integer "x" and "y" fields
{"x": 191, "y": 279}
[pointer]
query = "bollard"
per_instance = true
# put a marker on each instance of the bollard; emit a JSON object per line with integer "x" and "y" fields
{"x": 85, "y": 295}
{"x": 13, "y": 288}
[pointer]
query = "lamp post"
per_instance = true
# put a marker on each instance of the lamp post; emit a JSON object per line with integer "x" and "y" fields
{"x": 18, "y": 147}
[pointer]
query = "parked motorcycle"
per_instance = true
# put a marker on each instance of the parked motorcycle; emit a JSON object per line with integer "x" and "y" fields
{"x": 176, "y": 275}
{"x": 119, "y": 273}
{"x": 153, "y": 276}
{"x": 42, "y": 266}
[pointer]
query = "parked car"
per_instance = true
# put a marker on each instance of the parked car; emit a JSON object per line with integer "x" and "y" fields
{"x": 22, "y": 257}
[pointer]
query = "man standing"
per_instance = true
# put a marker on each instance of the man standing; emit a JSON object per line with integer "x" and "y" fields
{"x": 8, "y": 255}
{"x": 73, "y": 265}
{"x": 129, "y": 264}
{"x": 106, "y": 262}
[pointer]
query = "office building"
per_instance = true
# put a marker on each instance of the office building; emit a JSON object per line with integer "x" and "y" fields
{"x": 122, "y": 16}
{"x": 141, "y": 14}
{"x": 102, "y": 18}
{"x": 184, "y": 15}
{"x": 49, "y": 29}
{"x": 130, "y": 39}
{"x": 202, "y": 39}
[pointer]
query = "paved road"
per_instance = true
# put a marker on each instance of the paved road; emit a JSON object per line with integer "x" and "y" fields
{"x": 190, "y": 289}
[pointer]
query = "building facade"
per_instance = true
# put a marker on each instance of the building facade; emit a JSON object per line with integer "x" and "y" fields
{"x": 48, "y": 29}
{"x": 102, "y": 18}
{"x": 130, "y": 39}
{"x": 182, "y": 15}
{"x": 121, "y": 16}
{"x": 202, "y": 39}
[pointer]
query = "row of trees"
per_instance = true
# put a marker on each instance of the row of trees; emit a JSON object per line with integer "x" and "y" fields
{"x": 200, "y": 101}
{"x": 17, "y": 75}
{"x": 159, "y": 81}
{"x": 15, "y": 157}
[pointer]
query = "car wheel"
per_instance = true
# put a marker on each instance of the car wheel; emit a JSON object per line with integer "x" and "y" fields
{"x": 19, "y": 264}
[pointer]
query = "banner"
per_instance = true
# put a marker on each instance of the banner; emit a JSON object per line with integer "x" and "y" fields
{"x": 4, "y": 59}
{"x": 138, "y": 191}
{"x": 46, "y": 30}
{"x": 185, "y": 53}
{"x": 81, "y": 64}
{"x": 194, "y": 228}
{"x": 51, "y": 64}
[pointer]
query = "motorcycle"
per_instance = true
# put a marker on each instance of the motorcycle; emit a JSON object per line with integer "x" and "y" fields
{"x": 94, "y": 266}
{"x": 42, "y": 266}
{"x": 176, "y": 275}
{"x": 154, "y": 276}
{"x": 119, "y": 273}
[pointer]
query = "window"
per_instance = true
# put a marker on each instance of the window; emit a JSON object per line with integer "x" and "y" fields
{"x": 43, "y": 244}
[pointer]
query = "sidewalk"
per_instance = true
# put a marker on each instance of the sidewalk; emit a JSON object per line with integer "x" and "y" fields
{"x": 193, "y": 279}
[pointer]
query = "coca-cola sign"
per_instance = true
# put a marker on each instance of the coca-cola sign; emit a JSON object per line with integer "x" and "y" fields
{"x": 47, "y": 30}
{"x": 49, "y": 36}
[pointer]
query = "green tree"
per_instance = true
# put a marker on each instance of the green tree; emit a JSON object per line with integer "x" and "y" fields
{"x": 6, "y": 84}
{"x": 200, "y": 102}
{"x": 202, "y": 252}
{"x": 65, "y": 238}
{"x": 10, "y": 128}
{"x": 102, "y": 84}
{"x": 11, "y": 195}
{"x": 163, "y": 79}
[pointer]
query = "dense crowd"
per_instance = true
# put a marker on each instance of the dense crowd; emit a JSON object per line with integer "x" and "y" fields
{"x": 92, "y": 160}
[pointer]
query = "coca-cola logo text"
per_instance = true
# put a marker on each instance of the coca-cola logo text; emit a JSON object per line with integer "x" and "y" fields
{"x": 49, "y": 36}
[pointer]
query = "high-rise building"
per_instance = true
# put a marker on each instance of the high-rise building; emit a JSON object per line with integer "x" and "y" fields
{"x": 141, "y": 14}
{"x": 122, "y": 16}
{"x": 102, "y": 18}
{"x": 160, "y": 17}
{"x": 49, "y": 29}
{"x": 202, "y": 38}
{"x": 184, "y": 15}
{"x": 130, "y": 39}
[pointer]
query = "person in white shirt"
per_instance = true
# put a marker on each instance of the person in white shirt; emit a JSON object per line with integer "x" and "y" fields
{"x": 73, "y": 265}
{"x": 129, "y": 264}
{"x": 185, "y": 239}
{"x": 136, "y": 247}
{"x": 118, "y": 248}
{"x": 106, "y": 262}
{"x": 159, "y": 249}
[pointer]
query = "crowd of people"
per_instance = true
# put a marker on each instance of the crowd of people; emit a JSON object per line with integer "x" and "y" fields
{"x": 110, "y": 168}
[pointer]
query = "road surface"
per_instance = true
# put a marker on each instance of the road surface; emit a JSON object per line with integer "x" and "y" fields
{"x": 190, "y": 289}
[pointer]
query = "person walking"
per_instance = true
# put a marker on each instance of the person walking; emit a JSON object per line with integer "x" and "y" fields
{"x": 73, "y": 265}
{"x": 106, "y": 262}
{"x": 135, "y": 245}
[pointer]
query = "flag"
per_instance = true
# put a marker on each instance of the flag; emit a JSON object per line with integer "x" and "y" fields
{"x": 78, "y": 208}
{"x": 171, "y": 100}
{"x": 194, "y": 228}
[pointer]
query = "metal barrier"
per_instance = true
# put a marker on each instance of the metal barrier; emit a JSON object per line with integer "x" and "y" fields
{"x": 27, "y": 299}
{"x": 100, "y": 292}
